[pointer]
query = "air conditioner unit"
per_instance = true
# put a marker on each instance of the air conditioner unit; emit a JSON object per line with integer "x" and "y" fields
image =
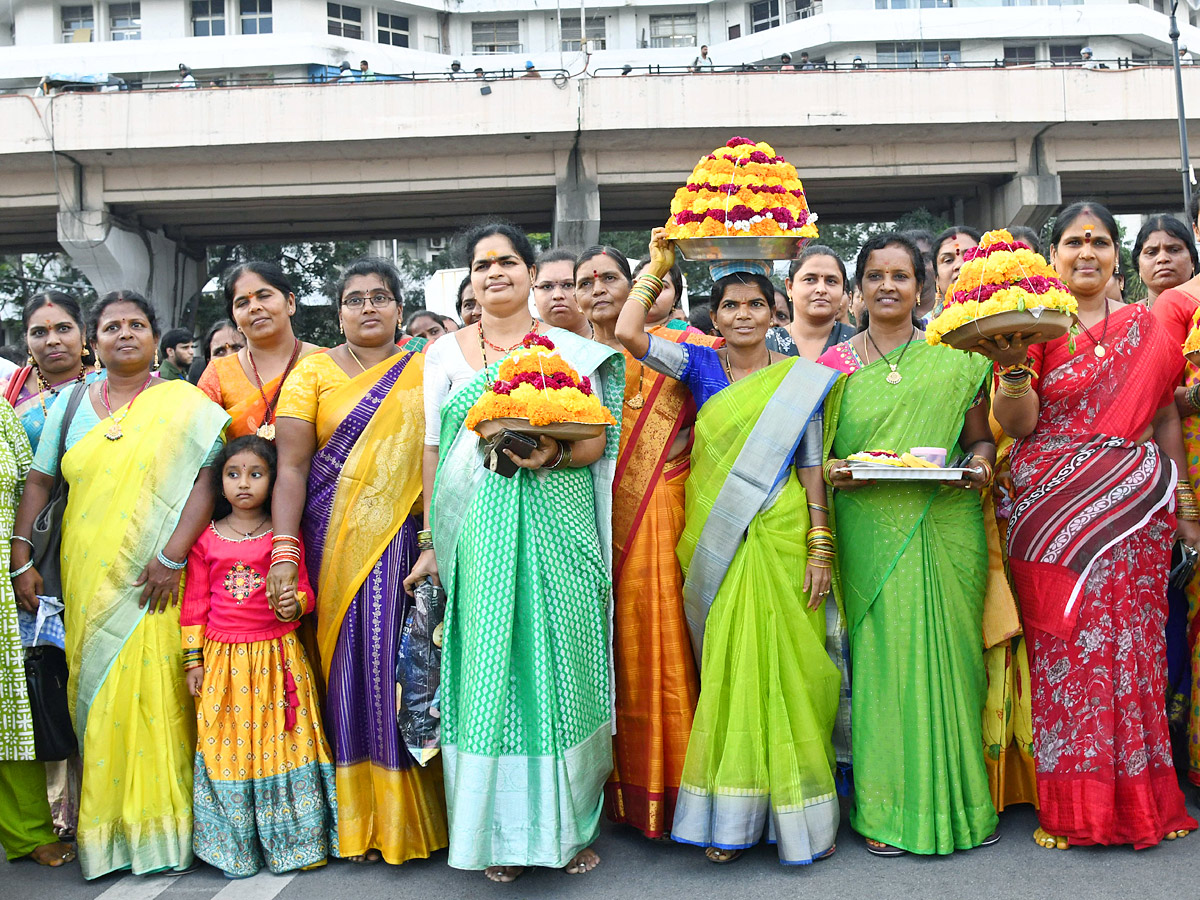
{"x": 437, "y": 244}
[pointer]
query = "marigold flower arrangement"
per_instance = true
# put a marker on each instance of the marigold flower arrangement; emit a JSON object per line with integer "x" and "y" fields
{"x": 535, "y": 383}
{"x": 1000, "y": 275}
{"x": 743, "y": 189}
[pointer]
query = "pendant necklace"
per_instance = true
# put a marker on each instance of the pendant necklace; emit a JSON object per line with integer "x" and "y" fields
{"x": 114, "y": 432}
{"x": 354, "y": 356}
{"x": 267, "y": 429}
{"x": 246, "y": 535}
{"x": 1099, "y": 349}
{"x": 894, "y": 376}
{"x": 484, "y": 343}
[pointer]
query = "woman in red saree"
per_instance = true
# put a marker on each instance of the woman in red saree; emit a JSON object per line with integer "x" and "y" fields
{"x": 1089, "y": 550}
{"x": 656, "y": 673}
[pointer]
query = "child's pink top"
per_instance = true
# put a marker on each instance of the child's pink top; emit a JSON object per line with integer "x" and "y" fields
{"x": 225, "y": 597}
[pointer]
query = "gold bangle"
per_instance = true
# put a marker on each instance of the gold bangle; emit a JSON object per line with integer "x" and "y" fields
{"x": 827, "y": 470}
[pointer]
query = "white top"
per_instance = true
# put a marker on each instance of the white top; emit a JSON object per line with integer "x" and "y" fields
{"x": 446, "y": 370}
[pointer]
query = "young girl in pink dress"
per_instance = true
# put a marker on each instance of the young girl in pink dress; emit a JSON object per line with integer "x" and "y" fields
{"x": 264, "y": 788}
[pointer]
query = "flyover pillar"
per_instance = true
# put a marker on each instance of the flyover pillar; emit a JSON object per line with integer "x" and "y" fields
{"x": 115, "y": 256}
{"x": 1027, "y": 200}
{"x": 577, "y": 200}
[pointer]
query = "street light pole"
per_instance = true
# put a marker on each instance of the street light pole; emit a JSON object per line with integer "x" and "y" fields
{"x": 1186, "y": 167}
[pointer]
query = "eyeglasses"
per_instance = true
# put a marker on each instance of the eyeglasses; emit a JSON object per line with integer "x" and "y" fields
{"x": 378, "y": 300}
{"x": 545, "y": 287}
{"x": 225, "y": 349}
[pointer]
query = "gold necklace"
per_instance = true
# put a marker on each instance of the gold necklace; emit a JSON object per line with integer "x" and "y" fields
{"x": 729, "y": 371}
{"x": 355, "y": 356}
{"x": 894, "y": 376}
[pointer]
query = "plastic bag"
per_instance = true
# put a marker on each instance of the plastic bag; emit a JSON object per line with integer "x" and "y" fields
{"x": 419, "y": 671}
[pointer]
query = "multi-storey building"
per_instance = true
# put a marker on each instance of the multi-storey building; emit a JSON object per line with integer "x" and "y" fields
{"x": 232, "y": 41}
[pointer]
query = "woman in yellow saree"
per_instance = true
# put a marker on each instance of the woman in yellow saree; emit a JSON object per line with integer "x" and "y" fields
{"x": 138, "y": 499}
{"x": 351, "y": 426}
{"x": 247, "y": 383}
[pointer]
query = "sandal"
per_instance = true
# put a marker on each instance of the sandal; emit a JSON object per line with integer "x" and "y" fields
{"x": 879, "y": 848}
{"x": 992, "y": 838}
{"x": 720, "y": 855}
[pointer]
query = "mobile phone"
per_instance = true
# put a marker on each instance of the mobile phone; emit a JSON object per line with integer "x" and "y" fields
{"x": 520, "y": 444}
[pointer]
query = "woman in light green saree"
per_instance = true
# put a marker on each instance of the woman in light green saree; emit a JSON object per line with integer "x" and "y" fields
{"x": 913, "y": 563}
{"x": 760, "y": 757}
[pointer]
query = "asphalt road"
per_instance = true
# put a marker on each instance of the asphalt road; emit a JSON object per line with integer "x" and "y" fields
{"x": 633, "y": 867}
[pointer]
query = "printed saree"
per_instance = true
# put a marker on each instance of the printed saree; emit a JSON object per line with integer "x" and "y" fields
{"x": 912, "y": 571}
{"x": 525, "y": 691}
{"x": 1089, "y": 549}
{"x": 656, "y": 677}
{"x": 760, "y": 759}
{"x": 131, "y": 710}
{"x": 360, "y": 538}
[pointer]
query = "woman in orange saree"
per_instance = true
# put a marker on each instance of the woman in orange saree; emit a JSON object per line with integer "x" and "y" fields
{"x": 247, "y": 384}
{"x": 657, "y": 681}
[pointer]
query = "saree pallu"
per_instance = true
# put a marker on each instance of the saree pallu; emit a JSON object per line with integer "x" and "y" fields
{"x": 131, "y": 709}
{"x": 264, "y": 793}
{"x": 1089, "y": 549}
{"x": 655, "y": 671}
{"x": 912, "y": 570}
{"x": 358, "y": 528}
{"x": 226, "y": 384}
{"x": 760, "y": 759}
{"x": 1007, "y": 714}
{"x": 1188, "y": 700}
{"x": 525, "y": 690}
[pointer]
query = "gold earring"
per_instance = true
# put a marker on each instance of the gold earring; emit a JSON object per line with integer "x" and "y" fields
{"x": 341, "y": 327}
{"x": 156, "y": 357}
{"x": 96, "y": 367}
{"x": 29, "y": 361}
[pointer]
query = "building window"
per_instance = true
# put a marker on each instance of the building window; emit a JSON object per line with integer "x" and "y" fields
{"x": 392, "y": 30}
{"x": 923, "y": 53}
{"x": 764, "y": 15}
{"x": 125, "y": 21}
{"x": 803, "y": 9}
{"x": 496, "y": 37}
{"x": 678, "y": 30}
{"x": 76, "y": 22}
{"x": 1065, "y": 53}
{"x": 344, "y": 21}
{"x": 595, "y": 33}
{"x": 256, "y": 16}
{"x": 1019, "y": 56}
{"x": 208, "y": 18}
{"x": 914, "y": 4}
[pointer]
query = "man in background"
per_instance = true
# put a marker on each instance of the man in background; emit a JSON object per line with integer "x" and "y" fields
{"x": 177, "y": 350}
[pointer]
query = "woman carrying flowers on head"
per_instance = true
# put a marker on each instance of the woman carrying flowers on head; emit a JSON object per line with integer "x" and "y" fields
{"x": 913, "y": 565}
{"x": 760, "y": 758}
{"x": 525, "y": 561}
{"x": 136, "y": 451}
{"x": 247, "y": 384}
{"x": 1098, "y": 452}
{"x": 656, "y": 674}
{"x": 264, "y": 789}
{"x": 349, "y": 427}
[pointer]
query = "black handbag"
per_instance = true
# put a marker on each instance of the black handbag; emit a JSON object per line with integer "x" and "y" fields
{"x": 46, "y": 677}
{"x": 47, "y": 527}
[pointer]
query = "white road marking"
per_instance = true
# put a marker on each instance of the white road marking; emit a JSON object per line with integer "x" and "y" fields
{"x": 263, "y": 886}
{"x": 138, "y": 887}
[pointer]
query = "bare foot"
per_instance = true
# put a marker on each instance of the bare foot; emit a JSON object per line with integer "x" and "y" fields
{"x": 721, "y": 855}
{"x": 1043, "y": 838}
{"x": 365, "y": 859}
{"x": 53, "y": 855}
{"x": 585, "y": 860}
{"x": 1181, "y": 833}
{"x": 503, "y": 874}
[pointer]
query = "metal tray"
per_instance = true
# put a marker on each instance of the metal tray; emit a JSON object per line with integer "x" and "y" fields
{"x": 561, "y": 431}
{"x": 1039, "y": 324}
{"x": 872, "y": 472}
{"x": 750, "y": 247}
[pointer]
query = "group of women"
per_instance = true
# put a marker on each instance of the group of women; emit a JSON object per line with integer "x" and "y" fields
{"x": 686, "y": 623}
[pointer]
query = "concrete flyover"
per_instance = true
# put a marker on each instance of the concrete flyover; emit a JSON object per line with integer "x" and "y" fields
{"x": 134, "y": 185}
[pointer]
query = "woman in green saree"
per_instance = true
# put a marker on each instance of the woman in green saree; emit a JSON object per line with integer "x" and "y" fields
{"x": 526, "y": 562}
{"x": 913, "y": 563}
{"x": 760, "y": 756}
